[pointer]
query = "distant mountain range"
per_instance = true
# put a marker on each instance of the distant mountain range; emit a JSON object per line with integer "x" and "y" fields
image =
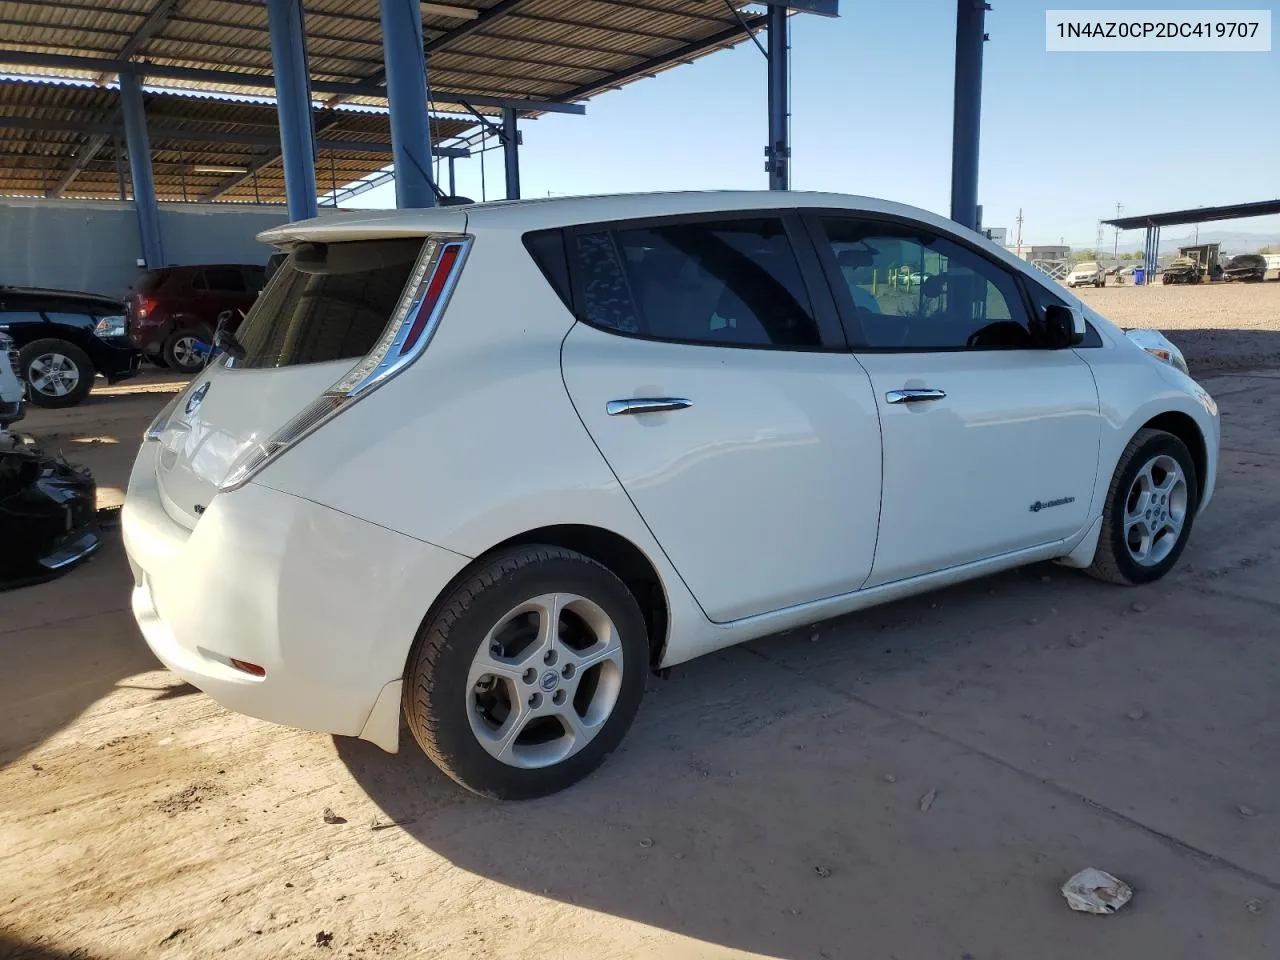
{"x": 1233, "y": 241}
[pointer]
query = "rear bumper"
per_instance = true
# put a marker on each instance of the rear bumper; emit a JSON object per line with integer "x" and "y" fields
{"x": 327, "y": 604}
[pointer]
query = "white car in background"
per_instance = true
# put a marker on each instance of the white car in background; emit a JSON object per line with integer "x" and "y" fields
{"x": 487, "y": 466}
{"x": 1089, "y": 273}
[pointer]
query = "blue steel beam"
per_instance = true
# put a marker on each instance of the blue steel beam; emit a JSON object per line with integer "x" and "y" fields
{"x": 293, "y": 106}
{"x": 778, "y": 151}
{"x": 144, "y": 184}
{"x": 406, "y": 70}
{"x": 966, "y": 123}
{"x": 511, "y": 153}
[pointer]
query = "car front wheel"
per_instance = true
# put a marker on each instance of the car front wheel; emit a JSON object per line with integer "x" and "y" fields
{"x": 1149, "y": 511}
{"x": 528, "y": 673}
{"x": 182, "y": 351}
{"x": 59, "y": 373}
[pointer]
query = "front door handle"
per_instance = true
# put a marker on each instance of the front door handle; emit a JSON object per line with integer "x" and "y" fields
{"x": 636, "y": 405}
{"x": 914, "y": 395}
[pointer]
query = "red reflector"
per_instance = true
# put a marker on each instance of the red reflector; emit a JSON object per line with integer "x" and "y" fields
{"x": 444, "y": 269}
{"x": 145, "y": 306}
{"x": 250, "y": 668}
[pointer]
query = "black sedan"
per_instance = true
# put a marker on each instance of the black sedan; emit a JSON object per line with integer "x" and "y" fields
{"x": 66, "y": 339}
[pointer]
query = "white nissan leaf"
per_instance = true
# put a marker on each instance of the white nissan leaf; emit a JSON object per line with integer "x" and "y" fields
{"x": 485, "y": 467}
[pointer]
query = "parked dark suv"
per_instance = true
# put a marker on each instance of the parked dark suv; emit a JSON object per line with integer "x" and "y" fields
{"x": 174, "y": 308}
{"x": 64, "y": 339}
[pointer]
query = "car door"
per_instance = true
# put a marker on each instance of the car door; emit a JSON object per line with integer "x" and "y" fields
{"x": 990, "y": 443}
{"x": 728, "y": 406}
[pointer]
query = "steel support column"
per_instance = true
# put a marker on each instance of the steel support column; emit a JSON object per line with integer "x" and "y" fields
{"x": 966, "y": 123}
{"x": 778, "y": 152}
{"x": 293, "y": 106}
{"x": 144, "y": 184}
{"x": 406, "y": 68}
{"x": 511, "y": 152}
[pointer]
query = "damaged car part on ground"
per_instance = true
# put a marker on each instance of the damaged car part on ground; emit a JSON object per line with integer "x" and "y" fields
{"x": 48, "y": 513}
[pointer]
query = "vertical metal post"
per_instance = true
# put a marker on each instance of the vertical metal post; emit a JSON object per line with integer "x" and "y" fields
{"x": 967, "y": 111}
{"x": 453, "y": 189}
{"x": 406, "y": 64}
{"x": 511, "y": 152}
{"x": 293, "y": 106}
{"x": 119, "y": 155}
{"x": 144, "y": 184}
{"x": 778, "y": 152}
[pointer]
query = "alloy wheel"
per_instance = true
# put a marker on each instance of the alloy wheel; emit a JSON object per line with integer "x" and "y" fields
{"x": 1155, "y": 510}
{"x": 545, "y": 680}
{"x": 53, "y": 374}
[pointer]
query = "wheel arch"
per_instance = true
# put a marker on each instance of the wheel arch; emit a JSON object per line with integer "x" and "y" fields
{"x": 1185, "y": 428}
{"x": 611, "y": 550}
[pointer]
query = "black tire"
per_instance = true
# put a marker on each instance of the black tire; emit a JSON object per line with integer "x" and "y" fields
{"x": 76, "y": 363}
{"x": 176, "y": 358}
{"x": 436, "y": 695}
{"x": 1112, "y": 561}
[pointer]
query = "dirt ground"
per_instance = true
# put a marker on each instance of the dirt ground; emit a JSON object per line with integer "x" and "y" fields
{"x": 770, "y": 801}
{"x": 1220, "y": 327}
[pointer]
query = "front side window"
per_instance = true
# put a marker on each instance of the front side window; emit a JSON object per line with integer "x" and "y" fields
{"x": 729, "y": 283}
{"x": 911, "y": 290}
{"x": 327, "y": 302}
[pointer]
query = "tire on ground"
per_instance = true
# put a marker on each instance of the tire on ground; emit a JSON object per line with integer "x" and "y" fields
{"x": 84, "y": 367}
{"x": 1112, "y": 562}
{"x": 171, "y": 344}
{"x": 436, "y": 696}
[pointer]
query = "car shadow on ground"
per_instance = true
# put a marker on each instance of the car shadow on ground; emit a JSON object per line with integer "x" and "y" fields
{"x": 1218, "y": 350}
{"x": 765, "y": 802}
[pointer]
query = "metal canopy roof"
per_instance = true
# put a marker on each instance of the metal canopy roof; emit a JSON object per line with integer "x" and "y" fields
{"x": 58, "y": 139}
{"x": 483, "y": 51}
{"x": 1233, "y": 211}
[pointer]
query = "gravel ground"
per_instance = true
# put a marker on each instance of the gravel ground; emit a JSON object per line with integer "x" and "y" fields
{"x": 1219, "y": 327}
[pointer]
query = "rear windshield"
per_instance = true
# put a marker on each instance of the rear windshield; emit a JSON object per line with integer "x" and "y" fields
{"x": 327, "y": 302}
{"x": 149, "y": 281}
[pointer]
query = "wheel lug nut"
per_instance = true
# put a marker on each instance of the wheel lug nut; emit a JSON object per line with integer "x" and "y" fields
{"x": 559, "y": 698}
{"x": 549, "y": 658}
{"x": 529, "y": 675}
{"x": 535, "y": 701}
{"x": 568, "y": 671}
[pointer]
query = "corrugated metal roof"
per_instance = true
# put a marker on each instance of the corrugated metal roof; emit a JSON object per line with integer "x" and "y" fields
{"x": 537, "y": 49}
{"x": 187, "y": 133}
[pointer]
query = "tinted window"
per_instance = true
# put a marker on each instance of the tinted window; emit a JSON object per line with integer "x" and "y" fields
{"x": 910, "y": 290}
{"x": 727, "y": 283}
{"x": 327, "y": 302}
{"x": 1041, "y": 298}
{"x": 547, "y": 250}
{"x": 224, "y": 279}
{"x": 149, "y": 281}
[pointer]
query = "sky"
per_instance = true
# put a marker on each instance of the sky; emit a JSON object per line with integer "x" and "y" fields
{"x": 1065, "y": 136}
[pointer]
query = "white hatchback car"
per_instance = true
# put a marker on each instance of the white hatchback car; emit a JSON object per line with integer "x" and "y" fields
{"x": 487, "y": 466}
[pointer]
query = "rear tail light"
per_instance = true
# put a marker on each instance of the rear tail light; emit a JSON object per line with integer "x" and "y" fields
{"x": 406, "y": 335}
{"x": 145, "y": 306}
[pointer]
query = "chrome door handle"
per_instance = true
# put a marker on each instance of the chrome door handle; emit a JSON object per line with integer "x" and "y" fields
{"x": 646, "y": 405}
{"x": 914, "y": 395}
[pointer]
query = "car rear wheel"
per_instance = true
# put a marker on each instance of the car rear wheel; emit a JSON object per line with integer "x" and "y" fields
{"x": 1150, "y": 508}
{"x": 528, "y": 673}
{"x": 181, "y": 352}
{"x": 59, "y": 373}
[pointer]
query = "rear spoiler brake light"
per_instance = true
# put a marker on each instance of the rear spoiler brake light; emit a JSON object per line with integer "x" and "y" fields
{"x": 406, "y": 336}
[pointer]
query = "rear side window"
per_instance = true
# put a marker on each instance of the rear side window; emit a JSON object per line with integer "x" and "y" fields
{"x": 327, "y": 302}
{"x": 725, "y": 283}
{"x": 547, "y": 249}
{"x": 224, "y": 280}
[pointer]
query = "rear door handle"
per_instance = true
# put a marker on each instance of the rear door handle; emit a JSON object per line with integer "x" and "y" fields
{"x": 914, "y": 395}
{"x": 616, "y": 408}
